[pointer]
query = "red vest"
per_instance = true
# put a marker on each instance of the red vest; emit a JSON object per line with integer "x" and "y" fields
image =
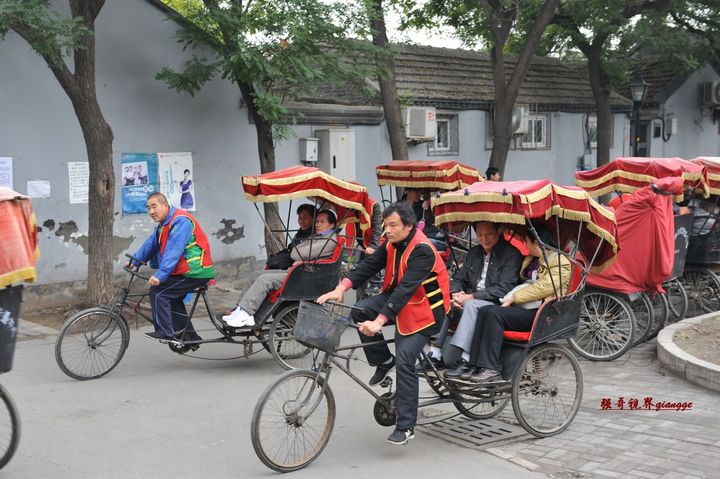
{"x": 200, "y": 240}
{"x": 432, "y": 293}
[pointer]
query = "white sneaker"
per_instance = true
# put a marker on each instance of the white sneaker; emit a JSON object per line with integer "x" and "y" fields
{"x": 239, "y": 318}
{"x": 233, "y": 314}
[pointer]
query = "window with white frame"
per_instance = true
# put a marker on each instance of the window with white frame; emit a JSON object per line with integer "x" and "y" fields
{"x": 537, "y": 134}
{"x": 592, "y": 131}
{"x": 447, "y": 139}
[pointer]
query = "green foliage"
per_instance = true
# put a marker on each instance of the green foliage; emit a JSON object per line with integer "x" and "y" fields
{"x": 280, "y": 49}
{"x": 52, "y": 35}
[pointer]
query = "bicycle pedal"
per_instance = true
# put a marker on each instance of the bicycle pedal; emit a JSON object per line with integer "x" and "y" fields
{"x": 387, "y": 382}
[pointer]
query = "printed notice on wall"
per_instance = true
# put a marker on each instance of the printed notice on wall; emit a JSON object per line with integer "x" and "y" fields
{"x": 78, "y": 181}
{"x": 176, "y": 179}
{"x": 38, "y": 188}
{"x": 6, "y": 172}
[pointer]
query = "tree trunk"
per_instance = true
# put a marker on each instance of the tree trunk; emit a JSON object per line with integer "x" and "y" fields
{"x": 266, "y": 152}
{"x": 602, "y": 103}
{"x": 507, "y": 90}
{"x": 385, "y": 63}
{"x": 98, "y": 143}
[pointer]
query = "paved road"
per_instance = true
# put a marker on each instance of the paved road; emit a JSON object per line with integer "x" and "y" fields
{"x": 159, "y": 415}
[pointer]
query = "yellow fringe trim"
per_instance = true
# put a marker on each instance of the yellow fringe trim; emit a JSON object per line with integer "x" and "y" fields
{"x": 471, "y": 216}
{"x": 255, "y": 180}
{"x": 538, "y": 195}
{"x": 461, "y": 197}
{"x": 435, "y": 184}
{"x": 686, "y": 175}
{"x": 27, "y": 274}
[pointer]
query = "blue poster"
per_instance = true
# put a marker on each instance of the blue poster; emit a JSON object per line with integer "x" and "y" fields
{"x": 138, "y": 180}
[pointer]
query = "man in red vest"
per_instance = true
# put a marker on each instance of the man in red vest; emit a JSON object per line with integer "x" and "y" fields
{"x": 415, "y": 296}
{"x": 180, "y": 251}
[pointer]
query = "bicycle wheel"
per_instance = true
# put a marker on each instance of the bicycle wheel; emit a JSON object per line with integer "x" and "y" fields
{"x": 9, "y": 428}
{"x": 547, "y": 390}
{"x": 703, "y": 290}
{"x": 287, "y": 352}
{"x": 677, "y": 300}
{"x": 662, "y": 315}
{"x": 293, "y": 420}
{"x": 483, "y": 410}
{"x": 91, "y": 343}
{"x": 606, "y": 327}
{"x": 644, "y": 318}
{"x": 471, "y": 410}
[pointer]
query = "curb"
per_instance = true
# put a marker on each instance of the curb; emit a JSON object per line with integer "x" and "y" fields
{"x": 687, "y": 366}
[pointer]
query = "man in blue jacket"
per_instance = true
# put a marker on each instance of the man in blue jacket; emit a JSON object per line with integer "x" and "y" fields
{"x": 180, "y": 251}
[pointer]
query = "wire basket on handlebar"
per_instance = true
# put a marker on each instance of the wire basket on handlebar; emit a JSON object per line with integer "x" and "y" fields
{"x": 320, "y": 326}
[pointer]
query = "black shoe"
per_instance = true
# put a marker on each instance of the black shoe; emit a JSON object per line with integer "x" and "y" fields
{"x": 461, "y": 368}
{"x": 381, "y": 372}
{"x": 425, "y": 365}
{"x": 468, "y": 374}
{"x": 156, "y": 335}
{"x": 401, "y": 436}
{"x": 484, "y": 375}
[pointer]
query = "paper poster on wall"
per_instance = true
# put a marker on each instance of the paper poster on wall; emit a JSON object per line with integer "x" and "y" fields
{"x": 78, "y": 181}
{"x": 6, "y": 172}
{"x": 176, "y": 179}
{"x": 138, "y": 179}
{"x": 38, "y": 188}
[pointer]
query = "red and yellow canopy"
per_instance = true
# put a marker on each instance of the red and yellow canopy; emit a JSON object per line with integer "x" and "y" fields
{"x": 630, "y": 174}
{"x": 515, "y": 202}
{"x": 304, "y": 182}
{"x": 18, "y": 238}
{"x": 712, "y": 172}
{"x": 434, "y": 175}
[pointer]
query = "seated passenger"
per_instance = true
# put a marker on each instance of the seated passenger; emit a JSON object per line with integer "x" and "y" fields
{"x": 282, "y": 259}
{"x": 489, "y": 272}
{"x": 320, "y": 245}
{"x": 518, "y": 308}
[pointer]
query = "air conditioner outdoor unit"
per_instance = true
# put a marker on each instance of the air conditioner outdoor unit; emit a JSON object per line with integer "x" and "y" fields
{"x": 520, "y": 119}
{"x": 710, "y": 93}
{"x": 420, "y": 123}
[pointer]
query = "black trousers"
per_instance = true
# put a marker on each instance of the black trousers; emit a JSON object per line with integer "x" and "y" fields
{"x": 492, "y": 321}
{"x": 407, "y": 351}
{"x": 166, "y": 300}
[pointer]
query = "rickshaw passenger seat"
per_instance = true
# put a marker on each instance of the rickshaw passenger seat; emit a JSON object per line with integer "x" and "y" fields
{"x": 524, "y": 336}
{"x": 274, "y": 295}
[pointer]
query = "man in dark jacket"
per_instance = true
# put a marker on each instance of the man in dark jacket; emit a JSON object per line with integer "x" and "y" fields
{"x": 491, "y": 269}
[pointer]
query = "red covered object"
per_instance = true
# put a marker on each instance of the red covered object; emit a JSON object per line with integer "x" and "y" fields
{"x": 646, "y": 235}
{"x": 18, "y": 238}
{"x": 630, "y": 174}
{"x": 712, "y": 171}
{"x": 444, "y": 175}
{"x": 304, "y": 182}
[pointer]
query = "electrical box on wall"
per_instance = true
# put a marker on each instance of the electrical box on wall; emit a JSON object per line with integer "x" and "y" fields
{"x": 309, "y": 150}
{"x": 336, "y": 152}
{"x": 671, "y": 125}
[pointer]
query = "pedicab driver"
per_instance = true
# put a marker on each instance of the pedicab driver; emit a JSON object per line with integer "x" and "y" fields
{"x": 180, "y": 251}
{"x": 415, "y": 297}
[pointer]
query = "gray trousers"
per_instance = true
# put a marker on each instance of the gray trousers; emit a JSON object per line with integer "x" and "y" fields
{"x": 465, "y": 332}
{"x": 264, "y": 282}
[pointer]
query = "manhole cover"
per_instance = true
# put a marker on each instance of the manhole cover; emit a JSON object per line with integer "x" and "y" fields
{"x": 478, "y": 433}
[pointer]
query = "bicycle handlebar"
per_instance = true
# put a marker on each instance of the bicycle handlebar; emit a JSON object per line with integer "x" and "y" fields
{"x": 135, "y": 272}
{"x": 142, "y": 263}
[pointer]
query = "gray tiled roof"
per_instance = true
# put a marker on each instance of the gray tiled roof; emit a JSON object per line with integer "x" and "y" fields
{"x": 463, "y": 78}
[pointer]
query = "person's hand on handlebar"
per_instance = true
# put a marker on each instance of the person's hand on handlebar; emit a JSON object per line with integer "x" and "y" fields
{"x": 371, "y": 328}
{"x": 154, "y": 281}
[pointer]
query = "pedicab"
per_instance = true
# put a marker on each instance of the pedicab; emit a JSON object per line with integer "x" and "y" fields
{"x": 93, "y": 342}
{"x": 610, "y": 325}
{"x": 626, "y": 175}
{"x": 294, "y": 418}
{"x": 432, "y": 177}
{"x": 18, "y": 234}
{"x": 703, "y": 255}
